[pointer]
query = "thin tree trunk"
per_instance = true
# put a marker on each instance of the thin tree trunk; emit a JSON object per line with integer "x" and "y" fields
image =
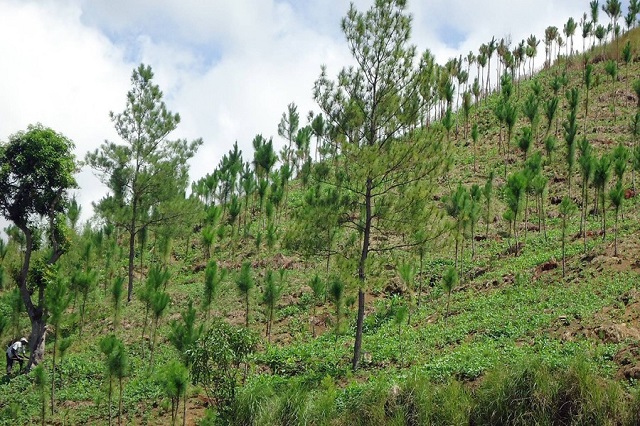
{"x": 110, "y": 397}
{"x": 515, "y": 233}
{"x": 544, "y": 218}
{"x": 120, "y": 404}
{"x": 526, "y": 217}
{"x": 144, "y": 327}
{"x": 447, "y": 314}
{"x": 420, "y": 278}
{"x": 473, "y": 241}
{"x": 246, "y": 312}
{"x": 564, "y": 227}
{"x": 604, "y": 218}
{"x": 153, "y": 342}
{"x": 462, "y": 260}
{"x": 313, "y": 320}
{"x": 358, "y": 342}
{"x": 184, "y": 407}
{"x": 82, "y": 307}
{"x": 132, "y": 248}
{"x": 615, "y": 237}
{"x": 53, "y": 370}
{"x": 362, "y": 275}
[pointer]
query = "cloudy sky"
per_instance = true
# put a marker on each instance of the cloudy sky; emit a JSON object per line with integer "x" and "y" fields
{"x": 229, "y": 67}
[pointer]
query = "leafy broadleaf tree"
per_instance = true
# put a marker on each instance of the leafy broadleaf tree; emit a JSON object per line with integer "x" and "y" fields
{"x": 36, "y": 173}
{"x": 148, "y": 173}
{"x": 216, "y": 360}
{"x": 387, "y": 164}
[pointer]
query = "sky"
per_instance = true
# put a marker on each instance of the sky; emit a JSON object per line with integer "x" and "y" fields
{"x": 229, "y": 68}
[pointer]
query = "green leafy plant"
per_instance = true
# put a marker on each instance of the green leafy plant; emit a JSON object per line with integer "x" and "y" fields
{"x": 216, "y": 361}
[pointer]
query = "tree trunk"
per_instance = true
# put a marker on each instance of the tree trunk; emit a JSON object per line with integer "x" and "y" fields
{"x": 120, "y": 404}
{"x": 362, "y": 275}
{"x": 110, "y": 396}
{"x": 564, "y": 228}
{"x": 132, "y": 247}
{"x": 544, "y": 219}
{"x": 358, "y": 343}
{"x": 515, "y": 233}
{"x": 473, "y": 240}
{"x": 53, "y": 370}
{"x": 604, "y": 218}
{"x": 246, "y": 312}
{"x": 615, "y": 237}
{"x": 184, "y": 408}
{"x": 420, "y": 278}
{"x": 313, "y": 320}
{"x": 37, "y": 341}
{"x": 82, "y": 307}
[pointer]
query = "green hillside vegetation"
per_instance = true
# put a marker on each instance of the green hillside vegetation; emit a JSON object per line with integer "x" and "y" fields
{"x": 422, "y": 250}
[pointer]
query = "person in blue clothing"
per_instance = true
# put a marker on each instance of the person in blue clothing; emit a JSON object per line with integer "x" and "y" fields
{"x": 16, "y": 352}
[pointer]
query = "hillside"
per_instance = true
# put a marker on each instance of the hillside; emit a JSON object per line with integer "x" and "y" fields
{"x": 518, "y": 337}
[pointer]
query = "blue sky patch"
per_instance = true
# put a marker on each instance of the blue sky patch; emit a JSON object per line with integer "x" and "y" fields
{"x": 451, "y": 36}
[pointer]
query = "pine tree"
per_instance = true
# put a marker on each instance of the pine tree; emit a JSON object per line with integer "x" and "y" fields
{"x": 374, "y": 111}
{"x": 245, "y": 283}
{"x": 567, "y": 208}
{"x": 148, "y": 170}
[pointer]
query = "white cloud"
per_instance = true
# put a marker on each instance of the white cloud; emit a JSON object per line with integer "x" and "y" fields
{"x": 61, "y": 74}
{"x": 228, "y": 67}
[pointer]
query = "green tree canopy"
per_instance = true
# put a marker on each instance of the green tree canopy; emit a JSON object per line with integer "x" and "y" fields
{"x": 36, "y": 173}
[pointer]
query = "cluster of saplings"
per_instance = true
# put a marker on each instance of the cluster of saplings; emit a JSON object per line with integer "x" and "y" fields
{"x": 372, "y": 186}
